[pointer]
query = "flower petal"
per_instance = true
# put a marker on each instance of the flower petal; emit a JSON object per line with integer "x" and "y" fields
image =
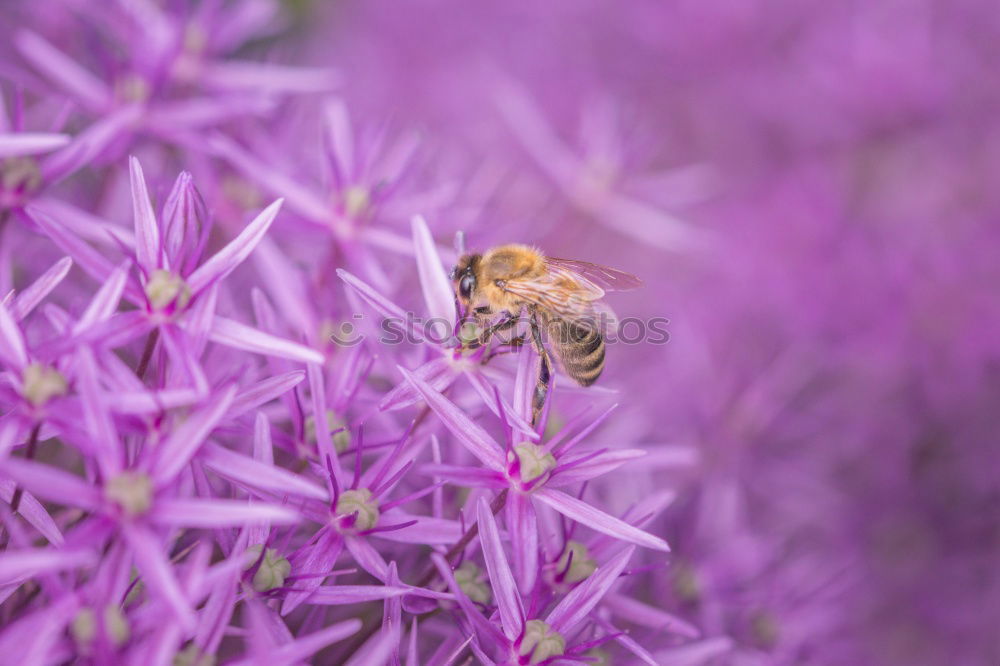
{"x": 269, "y": 77}
{"x": 382, "y": 305}
{"x": 300, "y": 199}
{"x": 474, "y": 616}
{"x": 240, "y": 336}
{"x": 301, "y": 648}
{"x": 219, "y": 512}
{"x": 178, "y": 449}
{"x": 264, "y": 391}
{"x": 466, "y": 477}
{"x": 86, "y": 257}
{"x": 147, "y": 231}
{"x": 232, "y": 255}
{"x": 340, "y": 140}
{"x": 90, "y": 143}
{"x": 568, "y": 473}
{"x": 33, "y": 512}
{"x": 254, "y": 474}
{"x": 18, "y": 565}
{"x": 30, "y": 143}
{"x": 340, "y": 595}
{"x": 468, "y": 433}
{"x": 426, "y": 530}
{"x": 437, "y": 372}
{"x": 367, "y": 557}
{"x": 157, "y": 572}
{"x": 575, "y": 606}
{"x": 522, "y": 525}
{"x": 504, "y": 409}
{"x": 12, "y": 350}
{"x": 52, "y": 484}
{"x": 32, "y": 295}
{"x": 438, "y": 293}
{"x": 597, "y": 520}
{"x": 504, "y": 589}
{"x": 695, "y": 654}
{"x": 324, "y": 441}
{"x": 105, "y": 301}
{"x": 315, "y": 560}
{"x": 649, "y": 616}
{"x": 63, "y": 70}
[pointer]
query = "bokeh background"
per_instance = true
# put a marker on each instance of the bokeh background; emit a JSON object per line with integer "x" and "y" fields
{"x": 809, "y": 191}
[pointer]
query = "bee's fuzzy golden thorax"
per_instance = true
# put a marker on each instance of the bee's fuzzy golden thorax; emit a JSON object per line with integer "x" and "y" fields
{"x": 479, "y": 278}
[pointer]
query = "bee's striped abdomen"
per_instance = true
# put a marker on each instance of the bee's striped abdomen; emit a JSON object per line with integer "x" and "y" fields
{"x": 580, "y": 350}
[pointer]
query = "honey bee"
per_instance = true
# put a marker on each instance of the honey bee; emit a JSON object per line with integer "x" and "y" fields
{"x": 562, "y": 297}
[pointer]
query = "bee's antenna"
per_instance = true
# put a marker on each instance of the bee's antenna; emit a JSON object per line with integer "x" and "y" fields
{"x": 460, "y": 242}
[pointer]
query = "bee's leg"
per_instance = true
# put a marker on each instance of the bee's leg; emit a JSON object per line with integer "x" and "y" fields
{"x": 489, "y": 332}
{"x": 544, "y": 373}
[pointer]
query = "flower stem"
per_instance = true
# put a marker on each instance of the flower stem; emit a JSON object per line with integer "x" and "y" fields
{"x": 15, "y": 500}
{"x": 431, "y": 574}
{"x": 496, "y": 506}
{"x": 147, "y": 352}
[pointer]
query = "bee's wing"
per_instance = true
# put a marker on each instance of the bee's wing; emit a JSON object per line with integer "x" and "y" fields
{"x": 564, "y": 296}
{"x": 601, "y": 277}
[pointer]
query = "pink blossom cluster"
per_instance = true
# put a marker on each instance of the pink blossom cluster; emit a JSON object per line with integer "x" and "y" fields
{"x": 243, "y": 419}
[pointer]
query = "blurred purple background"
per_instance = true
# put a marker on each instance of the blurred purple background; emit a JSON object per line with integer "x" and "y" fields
{"x": 808, "y": 191}
{"x": 832, "y": 295}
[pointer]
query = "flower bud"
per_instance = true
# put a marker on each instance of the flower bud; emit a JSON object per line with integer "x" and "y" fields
{"x": 470, "y": 579}
{"x": 575, "y": 564}
{"x": 342, "y": 436}
{"x": 272, "y": 571}
{"x": 185, "y": 225}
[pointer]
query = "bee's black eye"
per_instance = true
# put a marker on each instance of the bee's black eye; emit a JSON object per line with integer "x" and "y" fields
{"x": 466, "y": 285}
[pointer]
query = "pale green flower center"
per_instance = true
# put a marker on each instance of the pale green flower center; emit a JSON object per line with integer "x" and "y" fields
{"x": 84, "y": 626}
{"x": 577, "y": 568}
{"x": 165, "y": 288}
{"x": 132, "y": 88}
{"x": 534, "y": 461}
{"x": 20, "y": 173}
{"x": 195, "y": 38}
{"x": 40, "y": 383}
{"x": 341, "y": 438}
{"x": 469, "y": 333}
{"x": 764, "y": 626}
{"x": 358, "y": 503}
{"x": 273, "y": 569}
{"x": 470, "y": 579}
{"x": 132, "y": 491}
{"x": 685, "y": 583}
{"x": 599, "y": 657}
{"x": 540, "y": 642}
{"x": 192, "y": 655}
{"x": 357, "y": 199}
{"x": 241, "y": 192}
{"x": 115, "y": 624}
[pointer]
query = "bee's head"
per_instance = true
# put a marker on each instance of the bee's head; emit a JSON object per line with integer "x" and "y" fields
{"x": 463, "y": 277}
